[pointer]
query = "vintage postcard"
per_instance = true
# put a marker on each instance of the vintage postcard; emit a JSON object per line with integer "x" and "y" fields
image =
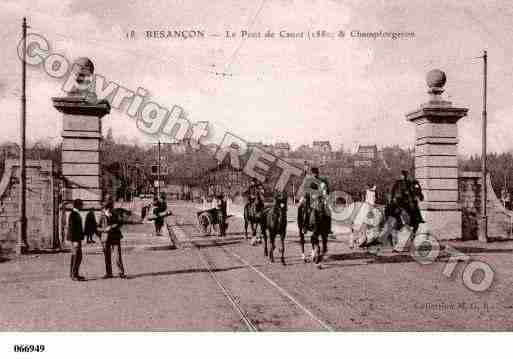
{"x": 254, "y": 166}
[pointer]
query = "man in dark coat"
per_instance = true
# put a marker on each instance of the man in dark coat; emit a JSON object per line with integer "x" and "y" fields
{"x": 222, "y": 214}
{"x": 110, "y": 226}
{"x": 160, "y": 206}
{"x": 76, "y": 236}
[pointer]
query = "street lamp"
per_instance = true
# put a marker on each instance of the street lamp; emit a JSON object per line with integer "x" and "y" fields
{"x": 21, "y": 244}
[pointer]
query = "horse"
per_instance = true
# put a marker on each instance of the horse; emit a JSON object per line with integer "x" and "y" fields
{"x": 304, "y": 211}
{"x": 275, "y": 222}
{"x": 253, "y": 217}
{"x": 320, "y": 218}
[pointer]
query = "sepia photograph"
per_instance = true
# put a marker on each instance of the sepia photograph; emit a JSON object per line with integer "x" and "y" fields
{"x": 172, "y": 168}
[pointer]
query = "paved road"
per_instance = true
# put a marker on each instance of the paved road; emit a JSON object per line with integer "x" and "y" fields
{"x": 228, "y": 285}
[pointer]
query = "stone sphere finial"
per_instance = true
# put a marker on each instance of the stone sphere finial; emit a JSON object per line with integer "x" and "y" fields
{"x": 436, "y": 80}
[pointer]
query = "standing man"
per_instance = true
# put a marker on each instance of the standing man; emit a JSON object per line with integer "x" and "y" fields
{"x": 76, "y": 236}
{"x": 160, "y": 206}
{"x": 221, "y": 212}
{"x": 110, "y": 227}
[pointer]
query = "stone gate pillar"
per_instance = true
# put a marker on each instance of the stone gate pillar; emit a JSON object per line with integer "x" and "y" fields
{"x": 436, "y": 161}
{"x": 81, "y": 137}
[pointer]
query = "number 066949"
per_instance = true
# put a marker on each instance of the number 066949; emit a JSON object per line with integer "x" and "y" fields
{"x": 28, "y": 348}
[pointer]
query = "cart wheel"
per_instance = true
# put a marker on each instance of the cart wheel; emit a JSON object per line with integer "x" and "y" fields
{"x": 205, "y": 223}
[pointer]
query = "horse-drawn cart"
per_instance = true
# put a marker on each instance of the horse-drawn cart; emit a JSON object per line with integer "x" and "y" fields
{"x": 208, "y": 219}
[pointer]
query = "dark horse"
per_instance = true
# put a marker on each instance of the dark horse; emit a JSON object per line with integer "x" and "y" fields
{"x": 253, "y": 215}
{"x": 304, "y": 212}
{"x": 275, "y": 222}
{"x": 320, "y": 219}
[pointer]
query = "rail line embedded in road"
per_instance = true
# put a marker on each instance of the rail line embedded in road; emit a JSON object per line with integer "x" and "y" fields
{"x": 236, "y": 306}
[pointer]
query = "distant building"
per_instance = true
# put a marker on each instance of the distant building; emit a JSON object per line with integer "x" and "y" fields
{"x": 322, "y": 146}
{"x": 366, "y": 156}
{"x": 337, "y": 168}
{"x": 367, "y": 152}
{"x": 282, "y": 149}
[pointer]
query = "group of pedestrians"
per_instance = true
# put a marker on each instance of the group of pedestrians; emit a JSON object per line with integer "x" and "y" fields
{"x": 109, "y": 231}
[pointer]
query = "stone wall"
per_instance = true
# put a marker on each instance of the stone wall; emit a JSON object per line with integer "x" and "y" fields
{"x": 41, "y": 205}
{"x": 499, "y": 218}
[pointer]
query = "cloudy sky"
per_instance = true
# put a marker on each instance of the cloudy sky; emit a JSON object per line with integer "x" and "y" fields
{"x": 345, "y": 90}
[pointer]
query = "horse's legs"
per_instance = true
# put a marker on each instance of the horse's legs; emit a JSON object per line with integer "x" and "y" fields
{"x": 314, "y": 239}
{"x": 302, "y": 243}
{"x": 264, "y": 234}
{"x": 302, "y": 240}
{"x": 272, "y": 237}
{"x": 324, "y": 238}
{"x": 245, "y": 228}
{"x": 282, "y": 247}
{"x": 254, "y": 228}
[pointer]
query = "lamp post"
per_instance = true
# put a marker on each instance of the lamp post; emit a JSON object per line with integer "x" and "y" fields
{"x": 483, "y": 234}
{"x": 21, "y": 245}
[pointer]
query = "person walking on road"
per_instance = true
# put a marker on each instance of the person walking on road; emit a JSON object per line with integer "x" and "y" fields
{"x": 221, "y": 212}
{"x": 76, "y": 236}
{"x": 160, "y": 206}
{"x": 91, "y": 227}
{"x": 110, "y": 227}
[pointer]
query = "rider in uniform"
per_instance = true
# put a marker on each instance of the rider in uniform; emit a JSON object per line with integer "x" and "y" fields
{"x": 324, "y": 188}
{"x": 255, "y": 191}
{"x": 406, "y": 194}
{"x": 324, "y": 228}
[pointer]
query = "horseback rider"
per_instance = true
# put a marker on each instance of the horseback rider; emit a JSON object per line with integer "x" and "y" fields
{"x": 406, "y": 194}
{"x": 253, "y": 208}
{"x": 255, "y": 191}
{"x": 324, "y": 185}
{"x": 318, "y": 216}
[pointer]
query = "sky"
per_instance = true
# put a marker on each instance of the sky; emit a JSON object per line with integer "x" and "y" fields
{"x": 345, "y": 90}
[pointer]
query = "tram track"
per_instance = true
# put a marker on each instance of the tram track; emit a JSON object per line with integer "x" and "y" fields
{"x": 275, "y": 297}
{"x": 238, "y": 309}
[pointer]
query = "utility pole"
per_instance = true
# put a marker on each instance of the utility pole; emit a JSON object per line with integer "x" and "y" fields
{"x": 21, "y": 245}
{"x": 483, "y": 235}
{"x": 158, "y": 170}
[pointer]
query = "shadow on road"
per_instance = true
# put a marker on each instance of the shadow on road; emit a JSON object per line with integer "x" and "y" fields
{"x": 182, "y": 271}
{"x": 210, "y": 243}
{"x": 465, "y": 249}
{"x": 372, "y": 258}
{"x": 47, "y": 251}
